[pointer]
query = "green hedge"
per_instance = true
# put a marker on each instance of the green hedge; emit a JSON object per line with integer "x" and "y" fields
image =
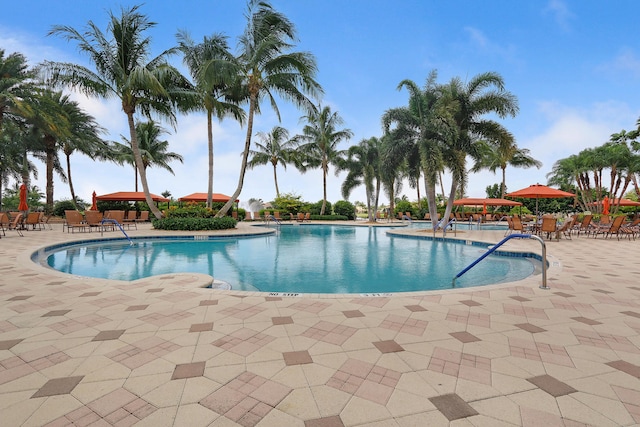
{"x": 329, "y": 217}
{"x": 193, "y": 224}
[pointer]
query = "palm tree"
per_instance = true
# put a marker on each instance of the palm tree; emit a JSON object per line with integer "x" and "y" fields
{"x": 268, "y": 67}
{"x": 153, "y": 151}
{"x": 13, "y": 154}
{"x": 50, "y": 124}
{"x": 467, "y": 104}
{"x": 122, "y": 70}
{"x": 212, "y": 69}
{"x": 320, "y": 139}
{"x": 275, "y": 148}
{"x": 14, "y": 84}
{"x": 502, "y": 152}
{"x": 418, "y": 130}
{"x": 363, "y": 166}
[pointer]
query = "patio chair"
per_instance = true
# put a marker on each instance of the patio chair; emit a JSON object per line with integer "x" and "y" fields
{"x": 74, "y": 221}
{"x": 117, "y": 216}
{"x": 247, "y": 216}
{"x": 44, "y": 220}
{"x": 144, "y": 216}
{"x": 566, "y": 227}
{"x": 609, "y": 230}
{"x": 4, "y": 222}
{"x": 518, "y": 227}
{"x": 584, "y": 226}
{"x": 33, "y": 220}
{"x": 549, "y": 227}
{"x": 307, "y": 216}
{"x": 300, "y": 217}
{"x": 16, "y": 224}
{"x": 130, "y": 219}
{"x": 94, "y": 220}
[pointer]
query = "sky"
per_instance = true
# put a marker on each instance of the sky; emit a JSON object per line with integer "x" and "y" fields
{"x": 573, "y": 65}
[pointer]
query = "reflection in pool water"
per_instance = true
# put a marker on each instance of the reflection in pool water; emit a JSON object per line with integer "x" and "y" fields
{"x": 307, "y": 258}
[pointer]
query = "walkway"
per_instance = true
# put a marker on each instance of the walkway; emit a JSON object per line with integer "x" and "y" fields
{"x": 163, "y": 351}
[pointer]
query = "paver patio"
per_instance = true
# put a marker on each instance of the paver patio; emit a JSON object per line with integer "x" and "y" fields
{"x": 165, "y": 351}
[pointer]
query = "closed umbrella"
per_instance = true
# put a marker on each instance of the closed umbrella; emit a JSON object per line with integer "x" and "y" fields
{"x": 539, "y": 191}
{"x": 94, "y": 202}
{"x": 22, "y": 206}
{"x": 605, "y": 205}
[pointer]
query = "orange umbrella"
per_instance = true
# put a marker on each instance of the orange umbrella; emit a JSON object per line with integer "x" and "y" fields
{"x": 539, "y": 191}
{"x": 202, "y": 197}
{"x": 23, "y": 199}
{"x": 94, "y": 202}
{"x": 605, "y": 205}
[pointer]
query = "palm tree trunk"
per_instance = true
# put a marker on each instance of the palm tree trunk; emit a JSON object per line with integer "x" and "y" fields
{"x": 504, "y": 182}
{"x": 444, "y": 199}
{"x": 210, "y": 144}
{"x": 140, "y": 166}
{"x": 245, "y": 157}
{"x": 275, "y": 179}
{"x": 49, "y": 143}
{"x": 324, "y": 189}
{"x": 71, "y": 190}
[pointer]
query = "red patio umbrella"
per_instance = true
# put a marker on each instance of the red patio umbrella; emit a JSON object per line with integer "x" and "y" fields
{"x": 605, "y": 205}
{"x": 94, "y": 202}
{"x": 202, "y": 197}
{"x": 22, "y": 206}
{"x": 539, "y": 191}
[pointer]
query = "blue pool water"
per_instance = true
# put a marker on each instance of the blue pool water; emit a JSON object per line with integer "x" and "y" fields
{"x": 307, "y": 258}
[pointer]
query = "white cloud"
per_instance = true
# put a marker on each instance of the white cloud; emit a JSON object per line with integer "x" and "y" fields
{"x": 560, "y": 12}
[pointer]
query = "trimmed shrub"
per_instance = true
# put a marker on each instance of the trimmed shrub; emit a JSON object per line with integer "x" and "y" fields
{"x": 315, "y": 208}
{"x": 194, "y": 223}
{"x": 345, "y": 208}
{"x": 329, "y": 217}
{"x": 61, "y": 206}
{"x": 191, "y": 211}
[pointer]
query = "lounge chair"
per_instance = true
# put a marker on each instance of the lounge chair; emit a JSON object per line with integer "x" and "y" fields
{"x": 247, "y": 216}
{"x": 16, "y": 224}
{"x": 566, "y": 227}
{"x": 616, "y": 227}
{"x": 300, "y": 217}
{"x": 117, "y": 216}
{"x": 584, "y": 226}
{"x": 94, "y": 220}
{"x": 74, "y": 221}
{"x": 33, "y": 221}
{"x": 307, "y": 216}
{"x": 130, "y": 219}
{"x": 144, "y": 217}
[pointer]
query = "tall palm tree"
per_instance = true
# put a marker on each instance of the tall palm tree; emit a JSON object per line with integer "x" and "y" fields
{"x": 49, "y": 119}
{"x": 276, "y": 148}
{"x": 268, "y": 67}
{"x": 418, "y": 129}
{"x": 153, "y": 151}
{"x": 502, "y": 152}
{"x": 123, "y": 71}
{"x": 468, "y": 104}
{"x": 319, "y": 143}
{"x": 13, "y": 155}
{"x": 213, "y": 69}
{"x": 363, "y": 166}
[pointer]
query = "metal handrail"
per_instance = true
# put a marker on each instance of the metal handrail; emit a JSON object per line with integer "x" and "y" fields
{"x": 113, "y": 221}
{"x": 502, "y": 242}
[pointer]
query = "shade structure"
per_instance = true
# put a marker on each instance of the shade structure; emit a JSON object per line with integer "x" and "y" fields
{"x": 202, "y": 197}
{"x": 130, "y": 196}
{"x": 539, "y": 191}
{"x": 22, "y": 206}
{"x": 94, "y": 202}
{"x": 477, "y": 201}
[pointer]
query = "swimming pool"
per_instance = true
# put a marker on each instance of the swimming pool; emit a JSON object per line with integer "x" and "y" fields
{"x": 300, "y": 258}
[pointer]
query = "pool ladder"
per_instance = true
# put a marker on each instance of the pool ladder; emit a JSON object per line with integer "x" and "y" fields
{"x": 270, "y": 218}
{"x": 502, "y": 242}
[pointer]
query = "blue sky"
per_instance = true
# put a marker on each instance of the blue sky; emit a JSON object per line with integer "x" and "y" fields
{"x": 573, "y": 65}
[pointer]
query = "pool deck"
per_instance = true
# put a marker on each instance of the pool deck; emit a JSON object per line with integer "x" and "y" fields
{"x": 164, "y": 351}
